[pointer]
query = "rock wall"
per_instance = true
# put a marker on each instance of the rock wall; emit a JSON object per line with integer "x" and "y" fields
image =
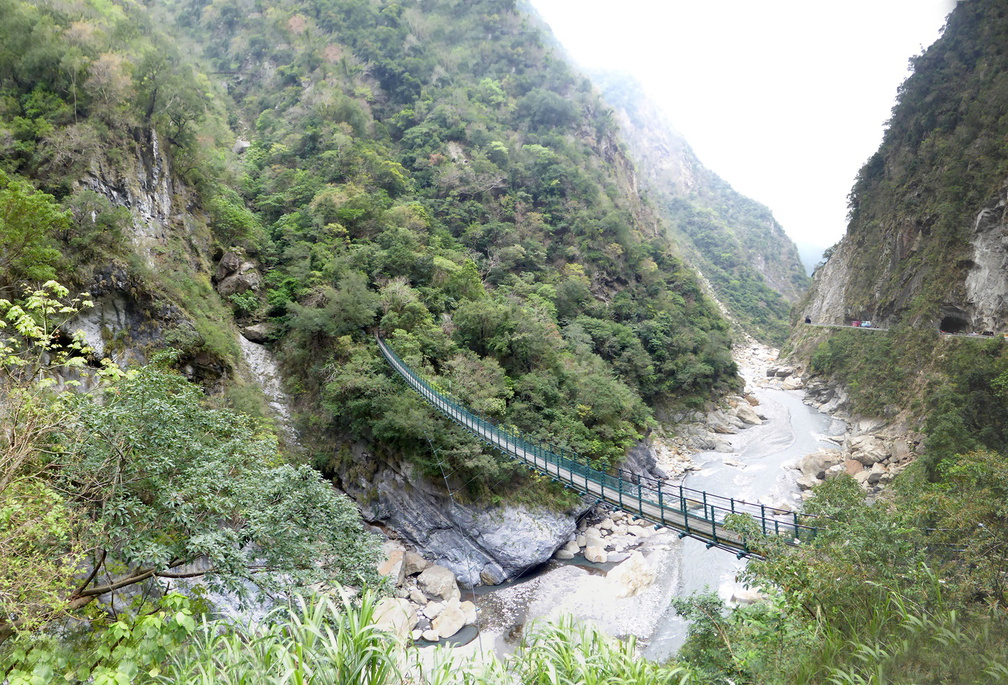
{"x": 987, "y": 280}
{"x": 480, "y": 544}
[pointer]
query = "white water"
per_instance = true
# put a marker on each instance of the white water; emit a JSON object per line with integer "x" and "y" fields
{"x": 266, "y": 374}
{"x": 754, "y": 471}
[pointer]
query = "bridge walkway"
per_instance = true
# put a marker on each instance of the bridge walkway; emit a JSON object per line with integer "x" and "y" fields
{"x": 694, "y": 513}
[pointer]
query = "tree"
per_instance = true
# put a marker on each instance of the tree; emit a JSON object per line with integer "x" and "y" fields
{"x": 138, "y": 481}
{"x": 168, "y": 483}
{"x": 28, "y": 219}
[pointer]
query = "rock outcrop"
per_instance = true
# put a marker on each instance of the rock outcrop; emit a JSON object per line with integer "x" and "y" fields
{"x": 480, "y": 545}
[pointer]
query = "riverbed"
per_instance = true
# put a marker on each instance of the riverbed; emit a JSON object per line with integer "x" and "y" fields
{"x": 755, "y": 470}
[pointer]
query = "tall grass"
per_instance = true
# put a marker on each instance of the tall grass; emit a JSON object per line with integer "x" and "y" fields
{"x": 315, "y": 641}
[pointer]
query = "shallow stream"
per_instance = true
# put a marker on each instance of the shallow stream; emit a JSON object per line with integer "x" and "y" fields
{"x": 753, "y": 471}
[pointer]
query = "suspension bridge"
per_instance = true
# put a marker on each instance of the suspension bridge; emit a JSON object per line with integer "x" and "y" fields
{"x": 694, "y": 513}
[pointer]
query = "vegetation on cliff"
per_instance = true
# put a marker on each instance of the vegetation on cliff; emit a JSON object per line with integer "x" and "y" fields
{"x": 430, "y": 171}
{"x": 751, "y": 264}
{"x": 943, "y": 159}
{"x": 435, "y": 172}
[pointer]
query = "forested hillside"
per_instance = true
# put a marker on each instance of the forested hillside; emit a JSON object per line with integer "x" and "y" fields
{"x": 434, "y": 171}
{"x": 751, "y": 264}
{"x": 309, "y": 174}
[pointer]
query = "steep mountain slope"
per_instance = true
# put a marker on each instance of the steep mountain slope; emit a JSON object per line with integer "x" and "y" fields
{"x": 752, "y": 265}
{"x": 316, "y": 172}
{"x": 926, "y": 240}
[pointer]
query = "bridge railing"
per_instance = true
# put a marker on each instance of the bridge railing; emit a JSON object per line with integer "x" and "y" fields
{"x": 696, "y": 512}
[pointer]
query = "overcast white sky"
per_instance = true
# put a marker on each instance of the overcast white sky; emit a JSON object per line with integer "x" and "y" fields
{"x": 784, "y": 99}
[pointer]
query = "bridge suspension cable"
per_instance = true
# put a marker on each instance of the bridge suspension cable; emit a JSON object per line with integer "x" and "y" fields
{"x": 694, "y": 513}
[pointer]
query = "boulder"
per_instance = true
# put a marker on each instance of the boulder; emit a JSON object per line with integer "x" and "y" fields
{"x": 631, "y": 576}
{"x": 451, "y": 620}
{"x": 747, "y": 415}
{"x": 638, "y": 531}
{"x": 258, "y": 333}
{"x": 868, "y": 449}
{"x": 876, "y": 473}
{"x": 392, "y": 567}
{"x": 792, "y": 383}
{"x": 413, "y": 563}
{"x": 431, "y": 635}
{"x": 229, "y": 264}
{"x": 836, "y": 470}
{"x": 593, "y": 538}
{"x": 433, "y": 610}
{"x": 815, "y": 464}
{"x": 853, "y": 467}
{"x": 595, "y": 554}
{"x": 469, "y": 611}
{"x": 240, "y": 282}
{"x": 563, "y": 554}
{"x": 438, "y": 581}
{"x": 417, "y": 597}
{"x": 784, "y": 371}
{"x": 481, "y": 544}
{"x": 807, "y": 482}
{"x": 395, "y": 615}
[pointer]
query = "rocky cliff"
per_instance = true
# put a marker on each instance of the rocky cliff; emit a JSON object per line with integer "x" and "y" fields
{"x": 926, "y": 243}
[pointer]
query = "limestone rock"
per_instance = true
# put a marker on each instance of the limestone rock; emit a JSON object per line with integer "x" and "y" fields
{"x": 431, "y": 635}
{"x": 433, "y": 610}
{"x": 451, "y": 620}
{"x": 868, "y": 449}
{"x": 438, "y": 581}
{"x": 258, "y": 333}
{"x": 807, "y": 482}
{"x": 392, "y": 567}
{"x": 417, "y": 597}
{"x": 595, "y": 554}
{"x": 413, "y": 563}
{"x": 469, "y": 611}
{"x": 638, "y": 531}
{"x": 632, "y": 576}
{"x": 396, "y": 615}
{"x": 815, "y": 464}
{"x": 479, "y": 544}
{"x": 853, "y": 467}
{"x": 876, "y": 473}
{"x": 836, "y": 470}
{"x": 563, "y": 555}
{"x": 792, "y": 383}
{"x": 747, "y": 415}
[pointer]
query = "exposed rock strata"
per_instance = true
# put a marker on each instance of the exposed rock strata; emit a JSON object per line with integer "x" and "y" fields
{"x": 481, "y": 545}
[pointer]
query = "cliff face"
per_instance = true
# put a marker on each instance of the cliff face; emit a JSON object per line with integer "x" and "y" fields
{"x": 752, "y": 266}
{"x": 927, "y": 239}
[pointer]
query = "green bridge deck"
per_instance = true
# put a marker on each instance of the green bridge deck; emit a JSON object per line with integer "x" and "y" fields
{"x": 694, "y": 513}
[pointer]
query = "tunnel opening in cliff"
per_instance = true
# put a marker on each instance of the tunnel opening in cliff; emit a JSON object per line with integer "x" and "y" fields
{"x": 954, "y": 324}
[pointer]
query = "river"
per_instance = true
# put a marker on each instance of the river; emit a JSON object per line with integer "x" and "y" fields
{"x": 754, "y": 470}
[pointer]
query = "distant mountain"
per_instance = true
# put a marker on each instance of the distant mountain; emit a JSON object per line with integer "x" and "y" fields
{"x": 753, "y": 267}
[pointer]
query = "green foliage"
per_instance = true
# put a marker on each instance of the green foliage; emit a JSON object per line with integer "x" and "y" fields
{"x": 29, "y": 221}
{"x": 942, "y": 160}
{"x": 147, "y": 462}
{"x": 872, "y": 366}
{"x": 315, "y": 639}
